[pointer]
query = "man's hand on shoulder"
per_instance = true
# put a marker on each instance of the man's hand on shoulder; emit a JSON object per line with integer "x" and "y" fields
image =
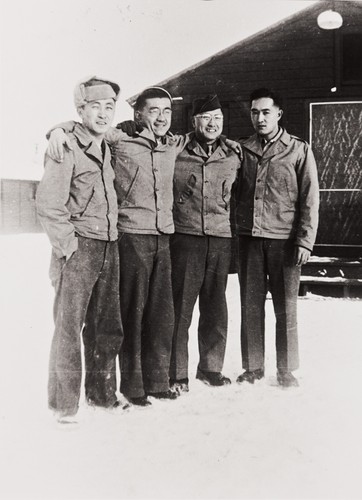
{"x": 130, "y": 127}
{"x": 58, "y": 143}
{"x": 234, "y": 145}
{"x": 301, "y": 255}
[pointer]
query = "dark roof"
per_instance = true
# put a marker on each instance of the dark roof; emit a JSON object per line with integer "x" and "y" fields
{"x": 314, "y": 9}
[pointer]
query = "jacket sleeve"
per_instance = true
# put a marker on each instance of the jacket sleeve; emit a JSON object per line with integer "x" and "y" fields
{"x": 182, "y": 141}
{"x": 66, "y": 126}
{"x": 51, "y": 202}
{"x": 235, "y": 193}
{"x": 308, "y": 199}
{"x": 113, "y": 135}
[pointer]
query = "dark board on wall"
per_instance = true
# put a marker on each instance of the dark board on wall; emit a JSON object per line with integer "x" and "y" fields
{"x": 337, "y": 144}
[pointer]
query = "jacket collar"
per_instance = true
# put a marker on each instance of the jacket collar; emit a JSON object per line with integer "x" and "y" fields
{"x": 159, "y": 145}
{"x": 220, "y": 151}
{"x": 254, "y": 145}
{"x": 90, "y": 147}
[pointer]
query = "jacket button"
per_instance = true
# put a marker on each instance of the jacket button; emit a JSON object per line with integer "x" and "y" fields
{"x": 206, "y": 197}
{"x": 256, "y": 198}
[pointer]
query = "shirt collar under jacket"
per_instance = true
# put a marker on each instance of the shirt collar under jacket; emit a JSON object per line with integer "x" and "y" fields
{"x": 86, "y": 140}
{"x": 195, "y": 146}
{"x": 148, "y": 134}
{"x": 253, "y": 144}
{"x": 268, "y": 143}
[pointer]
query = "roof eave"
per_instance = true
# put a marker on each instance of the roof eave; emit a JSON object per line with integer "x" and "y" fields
{"x": 319, "y": 5}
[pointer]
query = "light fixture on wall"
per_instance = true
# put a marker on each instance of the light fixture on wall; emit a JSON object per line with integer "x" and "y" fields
{"x": 329, "y": 20}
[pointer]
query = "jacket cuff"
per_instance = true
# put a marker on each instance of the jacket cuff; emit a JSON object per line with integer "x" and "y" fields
{"x": 304, "y": 246}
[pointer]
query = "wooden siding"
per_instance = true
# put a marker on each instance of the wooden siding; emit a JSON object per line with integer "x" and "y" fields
{"x": 17, "y": 206}
{"x": 295, "y": 57}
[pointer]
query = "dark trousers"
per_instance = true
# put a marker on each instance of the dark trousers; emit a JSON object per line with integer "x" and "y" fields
{"x": 147, "y": 313}
{"x": 86, "y": 290}
{"x": 260, "y": 260}
{"x": 200, "y": 266}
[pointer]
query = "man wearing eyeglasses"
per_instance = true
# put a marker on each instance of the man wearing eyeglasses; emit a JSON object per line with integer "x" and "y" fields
{"x": 201, "y": 246}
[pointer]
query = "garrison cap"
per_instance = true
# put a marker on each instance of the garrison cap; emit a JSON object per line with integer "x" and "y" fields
{"x": 94, "y": 88}
{"x": 204, "y": 104}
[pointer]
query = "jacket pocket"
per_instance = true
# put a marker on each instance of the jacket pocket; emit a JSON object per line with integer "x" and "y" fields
{"x": 188, "y": 190}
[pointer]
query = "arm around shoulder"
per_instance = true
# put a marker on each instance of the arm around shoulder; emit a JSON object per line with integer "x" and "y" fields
{"x": 67, "y": 126}
{"x": 181, "y": 141}
{"x": 113, "y": 135}
{"x": 59, "y": 141}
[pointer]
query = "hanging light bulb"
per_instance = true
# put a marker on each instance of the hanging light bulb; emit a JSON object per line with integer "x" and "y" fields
{"x": 329, "y": 20}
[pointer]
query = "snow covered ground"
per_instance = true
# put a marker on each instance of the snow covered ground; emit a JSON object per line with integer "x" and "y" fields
{"x": 242, "y": 442}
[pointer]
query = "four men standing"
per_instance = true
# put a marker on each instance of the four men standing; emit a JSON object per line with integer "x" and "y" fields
{"x": 276, "y": 199}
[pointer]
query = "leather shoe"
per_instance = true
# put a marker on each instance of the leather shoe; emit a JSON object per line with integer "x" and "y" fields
{"x": 250, "y": 376}
{"x": 179, "y": 386}
{"x": 286, "y": 379}
{"x": 115, "y": 404}
{"x": 140, "y": 401}
{"x": 215, "y": 379}
{"x": 121, "y": 404}
{"x": 163, "y": 394}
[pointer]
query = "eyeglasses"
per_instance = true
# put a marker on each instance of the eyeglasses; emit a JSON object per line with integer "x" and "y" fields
{"x": 205, "y": 117}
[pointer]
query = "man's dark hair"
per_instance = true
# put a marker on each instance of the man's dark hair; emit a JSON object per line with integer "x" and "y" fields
{"x": 264, "y": 92}
{"x": 150, "y": 93}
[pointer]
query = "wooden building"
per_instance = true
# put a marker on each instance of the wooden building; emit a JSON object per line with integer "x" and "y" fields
{"x": 319, "y": 74}
{"x": 17, "y": 206}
